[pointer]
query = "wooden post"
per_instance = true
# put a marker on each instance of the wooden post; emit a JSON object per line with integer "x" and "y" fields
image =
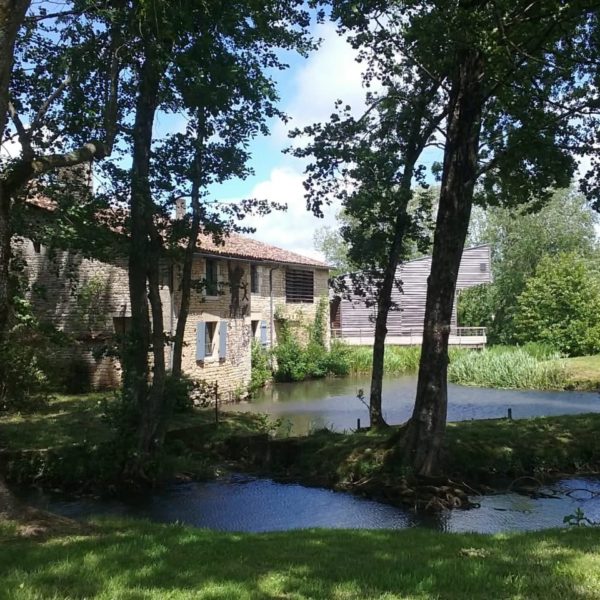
{"x": 510, "y": 414}
{"x": 217, "y": 402}
{"x": 357, "y": 424}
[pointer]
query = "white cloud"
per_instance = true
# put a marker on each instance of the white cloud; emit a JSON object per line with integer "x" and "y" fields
{"x": 294, "y": 228}
{"x": 329, "y": 74}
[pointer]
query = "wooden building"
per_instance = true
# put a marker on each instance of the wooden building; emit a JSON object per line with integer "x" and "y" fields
{"x": 353, "y": 318}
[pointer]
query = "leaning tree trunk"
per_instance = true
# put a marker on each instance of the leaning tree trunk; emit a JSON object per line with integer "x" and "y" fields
{"x": 384, "y": 298}
{"x": 12, "y": 15}
{"x": 188, "y": 258}
{"x": 427, "y": 426}
{"x": 135, "y": 359}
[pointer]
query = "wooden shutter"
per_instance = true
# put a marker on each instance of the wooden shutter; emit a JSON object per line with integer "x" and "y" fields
{"x": 223, "y": 340}
{"x": 200, "y": 340}
{"x": 263, "y": 333}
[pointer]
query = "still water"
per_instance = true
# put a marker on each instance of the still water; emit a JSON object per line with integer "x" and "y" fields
{"x": 240, "y": 503}
{"x": 333, "y": 403}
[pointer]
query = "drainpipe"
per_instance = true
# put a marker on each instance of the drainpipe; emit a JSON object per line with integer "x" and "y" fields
{"x": 271, "y": 325}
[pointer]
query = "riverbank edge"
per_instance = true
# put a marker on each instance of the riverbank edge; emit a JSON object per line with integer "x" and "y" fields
{"x": 127, "y": 558}
{"x": 480, "y": 457}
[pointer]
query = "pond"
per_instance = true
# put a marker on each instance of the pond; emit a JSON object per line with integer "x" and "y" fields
{"x": 240, "y": 503}
{"x": 333, "y": 403}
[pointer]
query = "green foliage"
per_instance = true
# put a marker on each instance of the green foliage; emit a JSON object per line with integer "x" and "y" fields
{"x": 261, "y": 369}
{"x": 475, "y": 306}
{"x": 530, "y": 367}
{"x": 398, "y": 360}
{"x": 24, "y": 386}
{"x": 560, "y": 306}
{"x": 296, "y": 361}
{"x": 520, "y": 239}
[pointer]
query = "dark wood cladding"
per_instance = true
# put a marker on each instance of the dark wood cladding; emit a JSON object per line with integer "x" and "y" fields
{"x": 299, "y": 286}
{"x": 355, "y": 318}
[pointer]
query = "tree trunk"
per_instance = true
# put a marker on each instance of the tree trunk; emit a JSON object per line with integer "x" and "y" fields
{"x": 135, "y": 360}
{"x": 12, "y": 15}
{"x": 427, "y": 426}
{"x": 384, "y": 297}
{"x": 188, "y": 261}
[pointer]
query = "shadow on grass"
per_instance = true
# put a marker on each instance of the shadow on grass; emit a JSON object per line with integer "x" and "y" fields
{"x": 140, "y": 560}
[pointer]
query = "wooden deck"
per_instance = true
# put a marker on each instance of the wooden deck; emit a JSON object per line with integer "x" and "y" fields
{"x": 465, "y": 337}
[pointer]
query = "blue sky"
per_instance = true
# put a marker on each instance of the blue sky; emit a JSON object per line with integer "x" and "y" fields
{"x": 308, "y": 90}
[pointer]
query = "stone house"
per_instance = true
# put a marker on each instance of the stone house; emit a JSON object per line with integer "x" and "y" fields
{"x": 247, "y": 288}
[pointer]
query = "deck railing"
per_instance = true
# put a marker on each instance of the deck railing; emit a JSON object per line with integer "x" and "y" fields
{"x": 458, "y": 335}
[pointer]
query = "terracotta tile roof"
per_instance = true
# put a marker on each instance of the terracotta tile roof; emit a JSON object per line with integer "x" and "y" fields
{"x": 241, "y": 246}
{"x": 234, "y": 245}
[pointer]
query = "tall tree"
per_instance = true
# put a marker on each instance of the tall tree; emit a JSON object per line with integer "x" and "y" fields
{"x": 510, "y": 120}
{"x": 48, "y": 63}
{"x": 520, "y": 237}
{"x": 179, "y": 52}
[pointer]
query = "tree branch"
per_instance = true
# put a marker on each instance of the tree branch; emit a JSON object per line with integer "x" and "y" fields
{"x": 22, "y": 134}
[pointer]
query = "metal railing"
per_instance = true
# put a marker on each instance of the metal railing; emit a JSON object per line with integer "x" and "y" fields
{"x": 465, "y": 335}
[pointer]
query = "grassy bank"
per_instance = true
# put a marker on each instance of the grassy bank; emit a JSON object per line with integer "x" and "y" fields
{"x": 71, "y": 441}
{"x": 506, "y": 367}
{"x": 71, "y": 444}
{"x": 475, "y": 451}
{"x": 135, "y": 559}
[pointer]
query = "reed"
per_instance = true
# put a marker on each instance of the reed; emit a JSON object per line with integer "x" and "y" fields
{"x": 509, "y": 368}
{"x": 399, "y": 360}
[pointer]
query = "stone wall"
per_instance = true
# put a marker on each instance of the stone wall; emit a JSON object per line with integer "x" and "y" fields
{"x": 59, "y": 281}
{"x": 232, "y": 305}
{"x": 83, "y": 298}
{"x": 298, "y": 315}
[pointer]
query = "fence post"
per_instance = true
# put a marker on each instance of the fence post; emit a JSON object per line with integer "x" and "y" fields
{"x": 216, "y": 402}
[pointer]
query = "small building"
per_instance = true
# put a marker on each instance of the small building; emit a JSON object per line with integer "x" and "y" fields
{"x": 247, "y": 286}
{"x": 353, "y": 317}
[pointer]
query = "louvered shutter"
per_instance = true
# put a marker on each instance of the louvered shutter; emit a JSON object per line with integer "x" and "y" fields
{"x": 200, "y": 340}
{"x": 223, "y": 340}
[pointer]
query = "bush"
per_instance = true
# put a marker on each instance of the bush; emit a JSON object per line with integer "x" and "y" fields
{"x": 24, "y": 385}
{"x": 560, "y": 306}
{"x": 475, "y": 306}
{"x": 296, "y": 362}
{"x": 261, "y": 369}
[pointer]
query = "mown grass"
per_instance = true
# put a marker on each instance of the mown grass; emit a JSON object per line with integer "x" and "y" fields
{"x": 584, "y": 372}
{"x": 82, "y": 419}
{"x": 139, "y": 560}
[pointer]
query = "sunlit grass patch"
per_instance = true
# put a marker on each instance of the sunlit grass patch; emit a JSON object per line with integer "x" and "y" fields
{"x": 136, "y": 559}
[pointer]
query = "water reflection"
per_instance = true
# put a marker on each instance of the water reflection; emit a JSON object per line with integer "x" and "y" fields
{"x": 333, "y": 403}
{"x": 248, "y": 504}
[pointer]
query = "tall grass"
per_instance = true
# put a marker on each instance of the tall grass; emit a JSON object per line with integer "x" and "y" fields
{"x": 509, "y": 368}
{"x": 532, "y": 366}
{"x": 399, "y": 360}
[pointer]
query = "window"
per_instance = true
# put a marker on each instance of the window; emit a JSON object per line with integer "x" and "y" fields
{"x": 299, "y": 286}
{"x": 254, "y": 280}
{"x": 212, "y": 278}
{"x": 122, "y": 325}
{"x": 37, "y": 247}
{"x": 254, "y": 325}
{"x": 209, "y": 338}
{"x": 483, "y": 267}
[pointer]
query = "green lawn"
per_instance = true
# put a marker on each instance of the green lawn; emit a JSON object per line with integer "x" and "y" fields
{"x": 81, "y": 419}
{"x": 584, "y": 372}
{"x": 136, "y": 560}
